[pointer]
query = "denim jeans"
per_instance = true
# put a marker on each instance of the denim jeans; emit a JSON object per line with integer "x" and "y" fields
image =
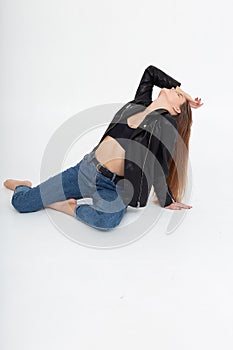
{"x": 79, "y": 181}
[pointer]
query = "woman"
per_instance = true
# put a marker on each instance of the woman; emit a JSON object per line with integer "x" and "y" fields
{"x": 133, "y": 154}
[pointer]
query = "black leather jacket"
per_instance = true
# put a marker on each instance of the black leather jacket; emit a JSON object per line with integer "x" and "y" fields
{"x": 151, "y": 144}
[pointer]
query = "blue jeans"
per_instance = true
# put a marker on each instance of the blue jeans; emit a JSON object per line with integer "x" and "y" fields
{"x": 79, "y": 181}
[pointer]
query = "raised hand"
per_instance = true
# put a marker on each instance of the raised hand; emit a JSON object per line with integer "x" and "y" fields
{"x": 194, "y": 103}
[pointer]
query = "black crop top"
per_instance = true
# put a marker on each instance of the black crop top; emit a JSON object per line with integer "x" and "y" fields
{"x": 123, "y": 131}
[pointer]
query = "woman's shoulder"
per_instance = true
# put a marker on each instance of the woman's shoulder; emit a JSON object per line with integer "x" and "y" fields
{"x": 164, "y": 117}
{"x": 169, "y": 119}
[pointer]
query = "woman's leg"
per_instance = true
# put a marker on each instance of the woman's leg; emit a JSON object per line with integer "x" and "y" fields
{"x": 66, "y": 206}
{"x": 106, "y": 212}
{"x": 71, "y": 183}
{"x": 108, "y": 207}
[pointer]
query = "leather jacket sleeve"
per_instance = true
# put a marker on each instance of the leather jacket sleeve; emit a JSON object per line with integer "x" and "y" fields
{"x": 168, "y": 137}
{"x": 152, "y": 76}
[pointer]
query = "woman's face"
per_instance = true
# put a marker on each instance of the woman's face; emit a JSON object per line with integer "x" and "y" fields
{"x": 174, "y": 97}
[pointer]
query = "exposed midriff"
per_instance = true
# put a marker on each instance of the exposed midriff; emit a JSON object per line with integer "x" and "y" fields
{"x": 110, "y": 153}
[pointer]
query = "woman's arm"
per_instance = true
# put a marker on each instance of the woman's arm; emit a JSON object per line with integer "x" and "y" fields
{"x": 152, "y": 76}
{"x": 162, "y": 147}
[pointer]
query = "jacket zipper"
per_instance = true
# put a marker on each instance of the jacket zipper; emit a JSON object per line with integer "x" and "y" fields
{"x": 138, "y": 201}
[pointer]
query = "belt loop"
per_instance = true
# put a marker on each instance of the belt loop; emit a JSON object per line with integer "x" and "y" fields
{"x": 92, "y": 154}
{"x": 114, "y": 176}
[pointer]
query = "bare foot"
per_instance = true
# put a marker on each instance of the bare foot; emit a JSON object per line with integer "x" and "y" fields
{"x": 66, "y": 207}
{"x": 11, "y": 184}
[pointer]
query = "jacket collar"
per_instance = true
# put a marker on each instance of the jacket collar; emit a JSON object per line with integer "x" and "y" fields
{"x": 150, "y": 117}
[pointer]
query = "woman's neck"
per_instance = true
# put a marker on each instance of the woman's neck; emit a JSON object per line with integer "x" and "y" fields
{"x": 158, "y": 103}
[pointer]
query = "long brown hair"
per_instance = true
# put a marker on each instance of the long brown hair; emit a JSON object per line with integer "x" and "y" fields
{"x": 177, "y": 180}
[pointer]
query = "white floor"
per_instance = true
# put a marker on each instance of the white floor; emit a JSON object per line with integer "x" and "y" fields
{"x": 162, "y": 291}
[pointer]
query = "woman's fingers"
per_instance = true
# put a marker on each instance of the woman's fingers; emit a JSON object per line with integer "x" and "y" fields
{"x": 182, "y": 205}
{"x": 179, "y": 206}
{"x": 195, "y": 103}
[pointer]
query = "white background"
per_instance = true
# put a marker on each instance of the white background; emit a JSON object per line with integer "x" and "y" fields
{"x": 163, "y": 291}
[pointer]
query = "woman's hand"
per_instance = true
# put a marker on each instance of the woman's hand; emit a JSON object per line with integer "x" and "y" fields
{"x": 178, "y": 206}
{"x": 194, "y": 103}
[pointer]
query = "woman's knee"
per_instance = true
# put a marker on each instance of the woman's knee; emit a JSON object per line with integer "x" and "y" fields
{"x": 17, "y": 202}
{"x": 23, "y": 204}
{"x": 98, "y": 219}
{"x": 27, "y": 199}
